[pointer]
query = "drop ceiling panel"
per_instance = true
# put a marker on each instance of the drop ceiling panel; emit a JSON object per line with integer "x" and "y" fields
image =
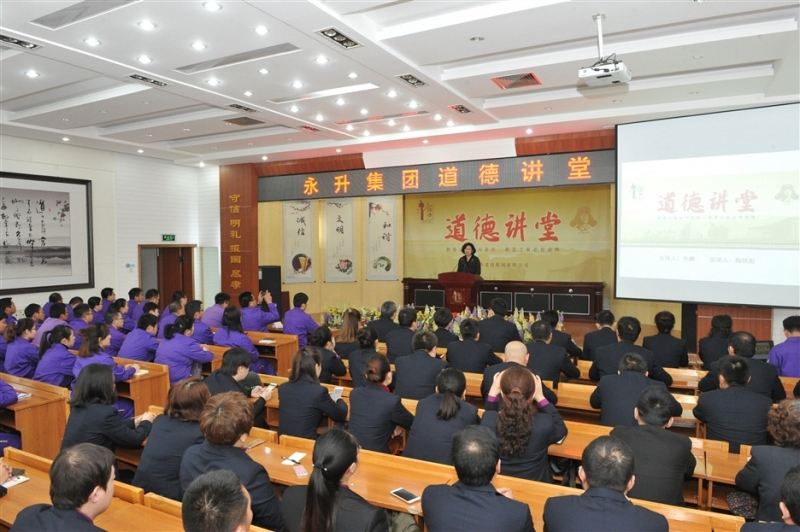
{"x": 258, "y": 142}
{"x": 15, "y": 84}
{"x": 177, "y": 131}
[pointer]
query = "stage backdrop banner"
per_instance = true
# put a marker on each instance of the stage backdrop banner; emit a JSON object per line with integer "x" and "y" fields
{"x": 298, "y": 242}
{"x": 340, "y": 253}
{"x": 556, "y": 234}
{"x": 381, "y": 239}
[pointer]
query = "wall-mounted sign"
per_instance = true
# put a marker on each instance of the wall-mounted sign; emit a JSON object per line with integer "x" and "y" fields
{"x": 168, "y": 238}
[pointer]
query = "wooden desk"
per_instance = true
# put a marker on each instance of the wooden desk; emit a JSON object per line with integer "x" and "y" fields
{"x": 41, "y": 419}
{"x": 146, "y": 390}
{"x": 137, "y": 517}
{"x": 216, "y": 362}
{"x": 722, "y": 468}
{"x": 682, "y": 378}
{"x": 285, "y": 346}
{"x": 788, "y": 384}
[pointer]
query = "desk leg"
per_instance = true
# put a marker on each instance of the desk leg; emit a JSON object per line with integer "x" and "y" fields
{"x": 710, "y": 499}
{"x": 701, "y": 501}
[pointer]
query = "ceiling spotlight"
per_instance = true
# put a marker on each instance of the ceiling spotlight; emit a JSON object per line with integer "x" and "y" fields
{"x": 339, "y": 38}
{"x": 294, "y": 108}
{"x": 437, "y": 116}
{"x": 424, "y": 141}
{"x": 406, "y": 129}
{"x": 349, "y": 127}
{"x": 366, "y": 133}
{"x": 450, "y": 123}
{"x": 32, "y": 74}
{"x": 263, "y": 71}
{"x": 212, "y": 6}
{"x": 352, "y": 75}
{"x": 548, "y": 108}
{"x": 321, "y": 60}
{"x": 319, "y": 118}
{"x": 476, "y": 39}
{"x": 139, "y": 151}
{"x": 186, "y": 129}
{"x": 391, "y": 122}
{"x": 91, "y": 41}
{"x": 248, "y": 93}
{"x": 697, "y": 56}
{"x": 340, "y": 102}
{"x": 412, "y": 80}
{"x": 147, "y": 25}
{"x": 202, "y": 164}
{"x": 413, "y": 105}
{"x": 529, "y": 131}
{"x": 198, "y": 45}
{"x": 144, "y": 59}
{"x": 213, "y": 81}
{"x": 694, "y": 92}
{"x": 65, "y": 119}
{"x": 148, "y": 135}
{"x": 391, "y": 94}
{"x": 616, "y": 101}
{"x": 262, "y": 30}
{"x": 338, "y": 150}
{"x": 65, "y": 139}
{"x": 364, "y": 111}
{"x": 297, "y": 85}
{"x": 264, "y": 158}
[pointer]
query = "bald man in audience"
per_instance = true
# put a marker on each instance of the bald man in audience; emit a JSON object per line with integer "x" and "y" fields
{"x": 515, "y": 354}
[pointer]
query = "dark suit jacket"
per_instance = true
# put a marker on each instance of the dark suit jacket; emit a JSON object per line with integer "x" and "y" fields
{"x": 101, "y": 425}
{"x": 159, "y": 470}
{"x": 352, "y": 511}
{"x": 764, "y": 380}
{"x": 662, "y": 460}
{"x": 204, "y": 458}
{"x": 763, "y": 474}
{"x": 332, "y": 365}
{"x": 549, "y": 361}
{"x": 344, "y": 349}
{"x": 712, "y": 349}
{"x": 735, "y": 415}
{"x": 470, "y": 356}
{"x": 670, "y": 352}
{"x": 597, "y": 339}
{"x": 415, "y": 375}
{"x": 497, "y": 332}
{"x": 491, "y": 371}
{"x": 607, "y": 359}
{"x": 617, "y": 395}
{"x": 462, "y": 507}
{"x": 219, "y": 382}
{"x": 600, "y": 510}
{"x": 398, "y": 344}
{"x": 769, "y": 527}
{"x": 562, "y": 339}
{"x": 431, "y": 439}
{"x": 358, "y": 366}
{"x": 444, "y": 337}
{"x": 40, "y": 517}
{"x": 302, "y": 405}
{"x": 374, "y": 413}
{"x": 383, "y": 326}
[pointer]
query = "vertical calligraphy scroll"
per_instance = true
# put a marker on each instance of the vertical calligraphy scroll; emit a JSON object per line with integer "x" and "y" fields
{"x": 298, "y": 241}
{"x": 238, "y": 203}
{"x": 339, "y": 241}
{"x": 381, "y": 239}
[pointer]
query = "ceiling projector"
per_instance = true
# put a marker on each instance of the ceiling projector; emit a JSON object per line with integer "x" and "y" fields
{"x": 602, "y": 75}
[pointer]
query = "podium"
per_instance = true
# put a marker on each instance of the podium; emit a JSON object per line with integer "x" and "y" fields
{"x": 460, "y": 289}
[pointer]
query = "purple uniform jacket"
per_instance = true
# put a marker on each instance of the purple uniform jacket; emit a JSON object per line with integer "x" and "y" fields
{"x": 98, "y": 316}
{"x": 21, "y": 358}
{"x": 56, "y": 364}
{"x": 11, "y": 320}
{"x": 298, "y": 322}
{"x": 106, "y": 305}
{"x": 8, "y": 395}
{"x": 127, "y": 322}
{"x": 48, "y": 325}
{"x": 136, "y": 312}
{"x": 117, "y": 338}
{"x": 786, "y": 357}
{"x": 162, "y": 325}
{"x": 255, "y": 319}
{"x": 139, "y": 345}
{"x": 46, "y": 309}
{"x": 3, "y": 347}
{"x": 132, "y": 304}
{"x": 202, "y": 333}
{"x": 213, "y": 316}
{"x": 76, "y": 326}
{"x": 120, "y": 373}
{"x": 178, "y": 354}
{"x": 228, "y": 338}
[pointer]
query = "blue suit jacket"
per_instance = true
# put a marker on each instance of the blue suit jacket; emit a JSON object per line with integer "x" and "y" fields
{"x": 462, "y": 507}
{"x": 600, "y": 510}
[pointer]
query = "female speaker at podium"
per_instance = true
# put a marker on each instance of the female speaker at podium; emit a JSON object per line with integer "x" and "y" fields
{"x": 469, "y": 263}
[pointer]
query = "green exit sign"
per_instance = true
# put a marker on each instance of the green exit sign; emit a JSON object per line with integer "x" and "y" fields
{"x": 168, "y": 238}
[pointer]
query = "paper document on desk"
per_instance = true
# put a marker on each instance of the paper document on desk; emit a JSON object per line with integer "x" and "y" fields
{"x": 23, "y": 395}
{"x": 13, "y": 481}
{"x": 141, "y": 372}
{"x": 294, "y": 459}
{"x": 277, "y": 325}
{"x": 268, "y": 341}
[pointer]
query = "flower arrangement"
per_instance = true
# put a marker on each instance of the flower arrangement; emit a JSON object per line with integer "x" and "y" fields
{"x": 332, "y": 315}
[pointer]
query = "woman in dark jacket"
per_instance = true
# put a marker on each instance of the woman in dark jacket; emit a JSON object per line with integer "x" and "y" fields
{"x": 367, "y": 341}
{"x": 715, "y": 345}
{"x": 347, "y": 341}
{"x": 331, "y": 362}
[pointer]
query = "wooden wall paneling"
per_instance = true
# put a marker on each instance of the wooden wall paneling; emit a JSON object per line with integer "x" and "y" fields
{"x": 187, "y": 272}
{"x": 238, "y": 193}
{"x": 755, "y": 320}
{"x": 170, "y": 278}
{"x": 566, "y": 142}
{"x": 312, "y": 165}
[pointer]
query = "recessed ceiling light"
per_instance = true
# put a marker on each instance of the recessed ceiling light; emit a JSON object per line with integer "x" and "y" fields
{"x": 364, "y": 111}
{"x": 149, "y": 135}
{"x": 288, "y": 138}
{"x": 197, "y": 45}
{"x": 391, "y": 94}
{"x": 349, "y": 127}
{"x": 65, "y": 119}
{"x": 91, "y": 41}
{"x": 391, "y": 122}
{"x": 548, "y": 108}
{"x": 616, "y": 101}
{"x": 32, "y": 74}
{"x": 352, "y": 75}
{"x": 212, "y": 6}
{"x": 294, "y": 108}
{"x": 263, "y": 71}
{"x": 264, "y": 158}
{"x": 476, "y": 39}
{"x": 65, "y": 139}
{"x": 144, "y": 59}
{"x": 437, "y": 116}
{"x": 186, "y": 129}
{"x": 147, "y": 25}
{"x": 529, "y": 131}
{"x": 424, "y": 141}
{"x": 249, "y": 143}
{"x": 145, "y": 103}
{"x": 413, "y": 105}
{"x": 321, "y": 60}
{"x": 340, "y": 102}
{"x": 698, "y": 1}
{"x": 103, "y": 112}
{"x": 694, "y": 92}
{"x": 450, "y": 123}
{"x": 319, "y": 118}
{"x": 697, "y": 56}
{"x": 262, "y": 30}
{"x": 338, "y": 150}
{"x": 366, "y": 133}
{"x": 213, "y": 81}
{"x": 248, "y": 93}
{"x": 139, "y": 151}
{"x": 202, "y": 164}
{"x": 406, "y": 128}
{"x": 297, "y": 85}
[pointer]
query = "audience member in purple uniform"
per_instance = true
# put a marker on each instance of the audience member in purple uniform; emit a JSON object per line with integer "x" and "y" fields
{"x": 52, "y": 299}
{"x": 121, "y": 306}
{"x": 96, "y": 304}
{"x": 253, "y": 318}
{"x": 3, "y": 344}
{"x": 35, "y": 312}
{"x": 21, "y": 355}
{"x": 176, "y": 309}
{"x": 55, "y": 361}
{"x": 180, "y": 352}
{"x": 141, "y": 343}
{"x": 231, "y": 334}
{"x": 83, "y": 318}
{"x": 151, "y": 296}
{"x": 296, "y": 321}
{"x": 108, "y": 296}
{"x": 202, "y": 332}
{"x": 8, "y": 396}
{"x": 58, "y": 316}
{"x": 135, "y": 298}
{"x": 150, "y": 308}
{"x": 10, "y": 309}
{"x": 213, "y": 315}
{"x": 178, "y": 296}
{"x": 114, "y": 322}
{"x": 786, "y": 355}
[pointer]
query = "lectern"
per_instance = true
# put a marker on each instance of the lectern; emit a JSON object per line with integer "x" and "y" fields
{"x": 460, "y": 289}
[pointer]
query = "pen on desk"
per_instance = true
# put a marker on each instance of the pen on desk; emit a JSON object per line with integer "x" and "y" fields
{"x": 290, "y": 459}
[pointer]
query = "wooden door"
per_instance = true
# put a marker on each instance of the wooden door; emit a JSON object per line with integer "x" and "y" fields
{"x": 175, "y": 272}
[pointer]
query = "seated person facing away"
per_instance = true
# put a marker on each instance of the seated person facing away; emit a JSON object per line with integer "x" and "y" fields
{"x": 56, "y": 363}
{"x": 347, "y": 342}
{"x": 715, "y": 345}
{"x": 764, "y": 378}
{"x": 213, "y": 314}
{"x": 225, "y": 424}
{"x": 547, "y": 360}
{"x": 159, "y": 470}
{"x": 606, "y": 474}
{"x": 516, "y": 354}
{"x": 367, "y": 342}
{"x": 141, "y": 343}
{"x": 560, "y": 338}
{"x": 231, "y": 334}
{"x": 385, "y": 323}
{"x": 327, "y": 503}
{"x": 670, "y": 352}
{"x": 202, "y": 332}
{"x": 732, "y": 413}
{"x": 662, "y": 459}
{"x": 180, "y": 352}
{"x": 786, "y": 355}
{"x": 398, "y": 342}
{"x": 473, "y": 503}
{"x": 470, "y": 355}
{"x": 617, "y": 395}
{"x": 524, "y": 431}
{"x": 606, "y": 359}
{"x": 253, "y": 317}
{"x": 789, "y": 507}
{"x": 417, "y": 372}
{"x": 768, "y": 464}
{"x": 22, "y": 355}
{"x": 443, "y": 317}
{"x": 235, "y": 376}
{"x": 216, "y": 502}
{"x": 81, "y": 488}
{"x": 331, "y": 362}
{"x": 496, "y": 330}
{"x": 606, "y": 334}
{"x": 439, "y": 417}
{"x": 296, "y": 321}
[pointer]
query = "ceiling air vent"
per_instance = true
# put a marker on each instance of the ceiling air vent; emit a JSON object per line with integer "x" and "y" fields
{"x": 516, "y": 81}
{"x": 152, "y": 81}
{"x": 243, "y": 121}
{"x": 412, "y": 80}
{"x": 80, "y": 12}
{"x": 235, "y": 59}
{"x": 339, "y": 38}
{"x": 310, "y": 129}
{"x": 19, "y": 42}
{"x": 242, "y": 108}
{"x": 460, "y": 108}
